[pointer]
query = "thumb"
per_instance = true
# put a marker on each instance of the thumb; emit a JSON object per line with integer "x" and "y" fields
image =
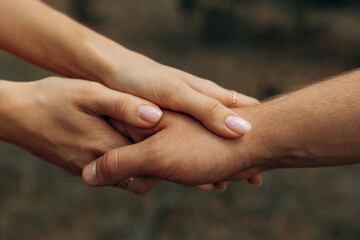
{"x": 135, "y": 133}
{"x": 118, "y": 164}
{"x": 122, "y": 106}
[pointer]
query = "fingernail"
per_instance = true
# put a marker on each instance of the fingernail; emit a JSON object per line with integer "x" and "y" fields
{"x": 89, "y": 173}
{"x": 237, "y": 124}
{"x": 150, "y": 114}
{"x": 93, "y": 169}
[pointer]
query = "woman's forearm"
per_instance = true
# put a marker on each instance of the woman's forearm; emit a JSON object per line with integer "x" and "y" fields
{"x": 6, "y": 96}
{"x": 315, "y": 126}
{"x": 48, "y": 38}
{"x": 41, "y": 35}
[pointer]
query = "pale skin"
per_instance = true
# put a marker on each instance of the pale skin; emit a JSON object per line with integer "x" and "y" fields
{"x": 61, "y": 120}
{"x": 57, "y": 43}
{"x": 64, "y": 121}
{"x": 312, "y": 127}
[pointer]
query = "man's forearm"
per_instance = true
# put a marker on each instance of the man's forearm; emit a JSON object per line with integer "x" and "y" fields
{"x": 10, "y": 92}
{"x": 46, "y": 37}
{"x": 315, "y": 126}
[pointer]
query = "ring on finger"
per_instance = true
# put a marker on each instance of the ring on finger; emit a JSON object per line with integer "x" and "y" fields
{"x": 125, "y": 184}
{"x": 234, "y": 97}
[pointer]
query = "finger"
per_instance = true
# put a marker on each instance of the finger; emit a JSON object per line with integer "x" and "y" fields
{"x": 125, "y": 107}
{"x": 256, "y": 180}
{"x": 223, "y": 95}
{"x": 141, "y": 185}
{"x": 205, "y": 187}
{"x": 119, "y": 164}
{"x": 215, "y": 91}
{"x": 221, "y": 186}
{"x": 136, "y": 134}
{"x": 212, "y": 113}
{"x": 248, "y": 173}
{"x": 243, "y": 101}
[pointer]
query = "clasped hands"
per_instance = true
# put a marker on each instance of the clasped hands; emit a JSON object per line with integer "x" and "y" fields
{"x": 135, "y": 118}
{"x": 127, "y": 130}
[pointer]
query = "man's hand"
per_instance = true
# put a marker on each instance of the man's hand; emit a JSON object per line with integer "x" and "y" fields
{"x": 315, "y": 126}
{"x": 178, "y": 149}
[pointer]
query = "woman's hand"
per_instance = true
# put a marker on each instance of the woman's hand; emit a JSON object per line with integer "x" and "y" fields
{"x": 178, "y": 149}
{"x": 64, "y": 121}
{"x": 179, "y": 91}
{"x": 62, "y": 45}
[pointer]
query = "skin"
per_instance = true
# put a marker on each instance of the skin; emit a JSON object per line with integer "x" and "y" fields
{"x": 62, "y": 120}
{"x": 316, "y": 126}
{"x": 57, "y": 43}
{"x": 65, "y": 121}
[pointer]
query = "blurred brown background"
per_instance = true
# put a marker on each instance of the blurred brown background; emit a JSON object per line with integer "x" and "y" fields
{"x": 260, "y": 48}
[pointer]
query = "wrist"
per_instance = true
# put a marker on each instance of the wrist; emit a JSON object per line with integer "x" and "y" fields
{"x": 122, "y": 65}
{"x": 106, "y": 60}
{"x": 6, "y": 106}
{"x": 266, "y": 145}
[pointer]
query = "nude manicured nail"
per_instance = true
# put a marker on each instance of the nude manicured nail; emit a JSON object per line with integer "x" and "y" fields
{"x": 150, "y": 114}
{"x": 237, "y": 124}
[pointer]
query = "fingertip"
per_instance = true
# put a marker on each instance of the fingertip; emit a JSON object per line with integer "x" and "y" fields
{"x": 89, "y": 174}
{"x": 237, "y": 125}
{"x": 205, "y": 187}
{"x": 255, "y": 181}
{"x": 150, "y": 115}
{"x": 221, "y": 186}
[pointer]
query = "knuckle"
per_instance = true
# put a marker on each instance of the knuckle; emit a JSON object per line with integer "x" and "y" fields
{"x": 85, "y": 92}
{"x": 221, "y": 94}
{"x": 214, "y": 107}
{"x": 211, "y": 83}
{"x": 108, "y": 162}
{"x": 87, "y": 87}
{"x": 171, "y": 96}
{"x": 176, "y": 96}
{"x": 99, "y": 149}
{"x": 226, "y": 98}
{"x": 121, "y": 104}
{"x": 154, "y": 163}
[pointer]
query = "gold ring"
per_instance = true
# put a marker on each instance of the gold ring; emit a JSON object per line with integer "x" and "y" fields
{"x": 125, "y": 184}
{"x": 234, "y": 97}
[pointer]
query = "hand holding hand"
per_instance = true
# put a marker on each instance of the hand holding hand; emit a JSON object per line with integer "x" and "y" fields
{"x": 179, "y": 91}
{"x": 178, "y": 149}
{"x": 63, "y": 121}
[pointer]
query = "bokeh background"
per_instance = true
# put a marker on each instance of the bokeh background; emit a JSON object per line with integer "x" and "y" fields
{"x": 260, "y": 48}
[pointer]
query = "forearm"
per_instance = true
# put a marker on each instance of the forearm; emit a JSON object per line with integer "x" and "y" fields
{"x": 10, "y": 92}
{"x": 46, "y": 37}
{"x": 315, "y": 126}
